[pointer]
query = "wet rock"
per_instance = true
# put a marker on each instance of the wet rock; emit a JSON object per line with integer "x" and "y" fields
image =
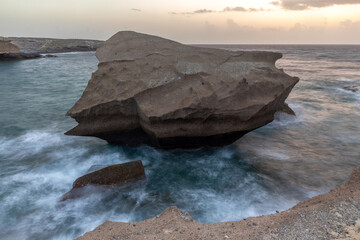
{"x": 353, "y": 88}
{"x": 286, "y": 109}
{"x": 150, "y": 90}
{"x": 115, "y": 175}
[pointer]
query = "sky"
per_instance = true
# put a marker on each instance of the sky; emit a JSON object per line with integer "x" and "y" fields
{"x": 188, "y": 21}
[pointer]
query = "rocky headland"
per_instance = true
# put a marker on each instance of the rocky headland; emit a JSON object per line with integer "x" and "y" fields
{"x": 150, "y": 90}
{"x": 6, "y": 46}
{"x": 334, "y": 215}
{"x": 53, "y": 45}
{"x": 10, "y": 51}
{"x": 28, "y": 48}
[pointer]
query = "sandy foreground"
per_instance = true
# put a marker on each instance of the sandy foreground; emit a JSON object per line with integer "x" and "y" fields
{"x": 334, "y": 215}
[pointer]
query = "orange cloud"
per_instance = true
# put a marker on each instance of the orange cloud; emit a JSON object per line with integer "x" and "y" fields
{"x": 307, "y": 4}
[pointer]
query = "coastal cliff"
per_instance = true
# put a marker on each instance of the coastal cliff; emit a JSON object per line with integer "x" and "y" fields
{"x": 334, "y": 215}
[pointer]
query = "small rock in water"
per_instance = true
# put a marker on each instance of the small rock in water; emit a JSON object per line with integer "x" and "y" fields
{"x": 118, "y": 175}
{"x": 286, "y": 109}
{"x": 50, "y": 56}
{"x": 352, "y": 88}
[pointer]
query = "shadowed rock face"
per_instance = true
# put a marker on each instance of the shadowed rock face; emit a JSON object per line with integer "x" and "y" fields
{"x": 150, "y": 90}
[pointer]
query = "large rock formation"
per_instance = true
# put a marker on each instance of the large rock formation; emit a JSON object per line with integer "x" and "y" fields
{"x": 150, "y": 90}
{"x": 7, "y": 47}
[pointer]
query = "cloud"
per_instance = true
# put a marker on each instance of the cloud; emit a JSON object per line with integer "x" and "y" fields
{"x": 136, "y": 9}
{"x": 227, "y": 9}
{"x": 242, "y": 9}
{"x": 299, "y": 5}
{"x": 203, "y": 11}
{"x": 235, "y": 9}
{"x": 348, "y": 24}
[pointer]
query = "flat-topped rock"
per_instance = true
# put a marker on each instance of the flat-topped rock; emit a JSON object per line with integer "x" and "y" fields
{"x": 150, "y": 90}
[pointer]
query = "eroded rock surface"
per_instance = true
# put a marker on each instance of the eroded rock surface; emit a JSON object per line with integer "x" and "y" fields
{"x": 150, "y": 90}
{"x": 334, "y": 215}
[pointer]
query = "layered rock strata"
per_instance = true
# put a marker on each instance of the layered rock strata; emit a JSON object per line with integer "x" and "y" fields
{"x": 150, "y": 90}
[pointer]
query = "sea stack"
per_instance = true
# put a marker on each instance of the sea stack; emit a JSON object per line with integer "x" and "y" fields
{"x": 150, "y": 90}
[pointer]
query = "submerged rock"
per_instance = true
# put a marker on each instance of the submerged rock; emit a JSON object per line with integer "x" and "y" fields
{"x": 118, "y": 175}
{"x": 353, "y": 88}
{"x": 150, "y": 90}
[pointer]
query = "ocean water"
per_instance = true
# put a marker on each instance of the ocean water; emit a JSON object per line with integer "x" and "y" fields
{"x": 270, "y": 169}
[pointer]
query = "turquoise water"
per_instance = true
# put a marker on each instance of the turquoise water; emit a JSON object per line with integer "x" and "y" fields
{"x": 267, "y": 170}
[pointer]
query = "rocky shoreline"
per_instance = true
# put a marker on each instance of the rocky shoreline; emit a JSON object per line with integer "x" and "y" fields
{"x": 333, "y": 215}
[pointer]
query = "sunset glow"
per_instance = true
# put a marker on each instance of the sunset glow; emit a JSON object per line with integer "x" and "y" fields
{"x": 259, "y": 21}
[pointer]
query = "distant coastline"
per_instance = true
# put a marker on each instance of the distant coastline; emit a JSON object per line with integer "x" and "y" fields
{"x": 54, "y": 45}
